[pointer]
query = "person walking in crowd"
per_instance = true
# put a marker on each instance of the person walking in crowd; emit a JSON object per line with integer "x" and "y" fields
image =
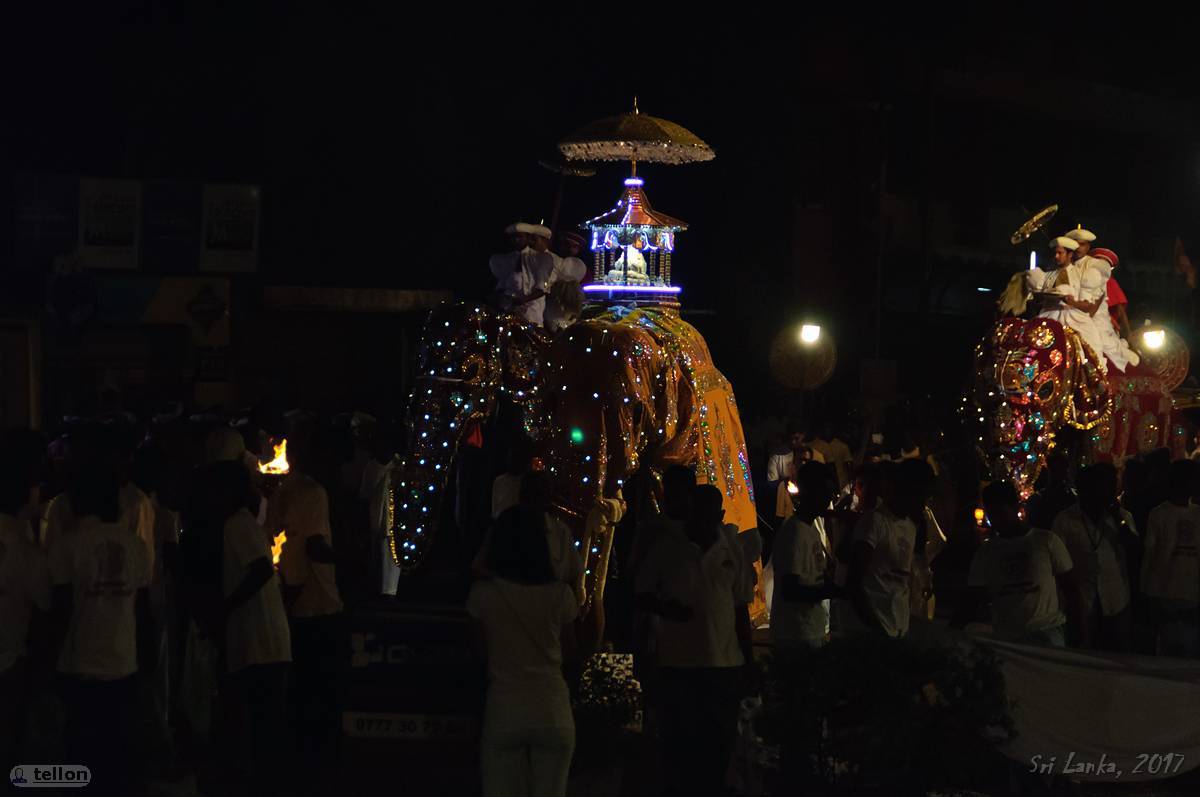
{"x": 667, "y": 524}
{"x": 258, "y": 646}
{"x": 699, "y": 587}
{"x": 804, "y": 565}
{"x": 299, "y": 508}
{"x": 1170, "y": 568}
{"x": 24, "y": 584}
{"x": 524, "y": 615}
{"x": 250, "y": 622}
{"x": 101, "y": 575}
{"x": 1021, "y": 571}
{"x": 1097, "y": 533}
{"x": 880, "y": 575}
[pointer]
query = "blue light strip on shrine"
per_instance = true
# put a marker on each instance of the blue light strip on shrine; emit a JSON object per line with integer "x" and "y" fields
{"x": 597, "y": 288}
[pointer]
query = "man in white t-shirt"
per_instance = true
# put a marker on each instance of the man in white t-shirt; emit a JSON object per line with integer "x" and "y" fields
{"x": 24, "y": 586}
{"x": 258, "y": 644}
{"x": 101, "y": 575}
{"x": 803, "y": 565}
{"x": 700, "y": 589}
{"x": 1021, "y": 571}
{"x": 1170, "y": 567}
{"x": 1097, "y": 532}
{"x": 320, "y": 643}
{"x": 880, "y": 576}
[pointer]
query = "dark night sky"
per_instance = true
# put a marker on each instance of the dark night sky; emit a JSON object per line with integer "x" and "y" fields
{"x": 393, "y": 149}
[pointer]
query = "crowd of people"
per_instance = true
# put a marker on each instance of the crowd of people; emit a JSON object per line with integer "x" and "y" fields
{"x": 143, "y": 607}
{"x": 149, "y": 592}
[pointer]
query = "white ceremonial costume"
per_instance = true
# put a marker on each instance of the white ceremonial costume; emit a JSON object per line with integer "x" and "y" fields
{"x": 1111, "y": 345}
{"x": 1082, "y": 282}
{"x": 566, "y": 269}
{"x": 518, "y": 274}
{"x": 1116, "y": 348}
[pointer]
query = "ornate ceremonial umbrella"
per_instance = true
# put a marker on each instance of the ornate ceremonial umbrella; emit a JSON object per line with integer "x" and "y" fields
{"x": 1036, "y": 222}
{"x": 635, "y": 137}
{"x": 632, "y": 242}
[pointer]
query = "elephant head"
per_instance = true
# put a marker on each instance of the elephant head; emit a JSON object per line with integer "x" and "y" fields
{"x": 622, "y": 390}
{"x": 468, "y": 356}
{"x": 1032, "y": 379}
{"x": 635, "y": 389}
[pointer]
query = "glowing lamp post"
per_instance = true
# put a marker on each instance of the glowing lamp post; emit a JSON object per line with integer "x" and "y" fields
{"x": 1153, "y": 339}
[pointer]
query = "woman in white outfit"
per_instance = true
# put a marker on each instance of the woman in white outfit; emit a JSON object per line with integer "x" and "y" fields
{"x": 526, "y": 617}
{"x": 1078, "y": 288}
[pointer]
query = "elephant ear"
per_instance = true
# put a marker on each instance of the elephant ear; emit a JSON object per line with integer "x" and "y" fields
{"x": 1015, "y": 297}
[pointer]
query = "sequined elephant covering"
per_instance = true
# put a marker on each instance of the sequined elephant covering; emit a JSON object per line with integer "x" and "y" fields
{"x": 622, "y": 389}
{"x": 1032, "y": 379}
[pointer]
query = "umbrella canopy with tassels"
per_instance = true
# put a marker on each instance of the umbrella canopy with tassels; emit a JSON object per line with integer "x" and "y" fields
{"x": 635, "y": 137}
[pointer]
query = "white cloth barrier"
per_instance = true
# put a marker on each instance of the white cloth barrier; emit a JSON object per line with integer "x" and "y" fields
{"x": 1101, "y": 717}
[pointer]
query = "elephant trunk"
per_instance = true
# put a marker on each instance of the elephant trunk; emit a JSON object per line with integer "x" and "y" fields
{"x": 457, "y": 381}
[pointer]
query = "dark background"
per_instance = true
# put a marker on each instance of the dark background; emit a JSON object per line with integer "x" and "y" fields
{"x": 392, "y": 149}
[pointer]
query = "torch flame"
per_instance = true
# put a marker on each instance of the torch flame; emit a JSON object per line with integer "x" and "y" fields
{"x": 792, "y": 488}
{"x": 277, "y": 546}
{"x": 279, "y": 465}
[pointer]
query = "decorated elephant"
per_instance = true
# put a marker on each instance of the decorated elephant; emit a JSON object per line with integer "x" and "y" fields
{"x": 626, "y": 388}
{"x": 1035, "y": 378}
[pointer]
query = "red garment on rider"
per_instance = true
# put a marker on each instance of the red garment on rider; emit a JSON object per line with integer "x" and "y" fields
{"x": 1116, "y": 296}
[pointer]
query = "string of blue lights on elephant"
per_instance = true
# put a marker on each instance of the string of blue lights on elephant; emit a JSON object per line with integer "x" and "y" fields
{"x": 478, "y": 355}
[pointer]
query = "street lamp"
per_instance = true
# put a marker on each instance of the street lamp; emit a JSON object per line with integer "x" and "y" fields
{"x": 810, "y": 334}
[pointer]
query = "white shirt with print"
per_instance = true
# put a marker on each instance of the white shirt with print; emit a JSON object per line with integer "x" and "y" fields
{"x": 522, "y": 626}
{"x": 711, "y": 583}
{"x": 300, "y": 507}
{"x": 257, "y": 631}
{"x": 105, "y": 566}
{"x": 802, "y": 550}
{"x": 1099, "y": 556}
{"x": 1019, "y": 574}
{"x": 888, "y": 579}
{"x": 1170, "y": 568}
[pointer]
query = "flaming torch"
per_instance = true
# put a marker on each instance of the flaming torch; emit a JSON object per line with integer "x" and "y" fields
{"x": 278, "y": 466}
{"x": 277, "y": 547}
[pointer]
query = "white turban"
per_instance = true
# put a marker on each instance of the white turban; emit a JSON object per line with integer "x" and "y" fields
{"x": 1065, "y": 243}
{"x": 528, "y": 229}
{"x": 1081, "y": 235}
